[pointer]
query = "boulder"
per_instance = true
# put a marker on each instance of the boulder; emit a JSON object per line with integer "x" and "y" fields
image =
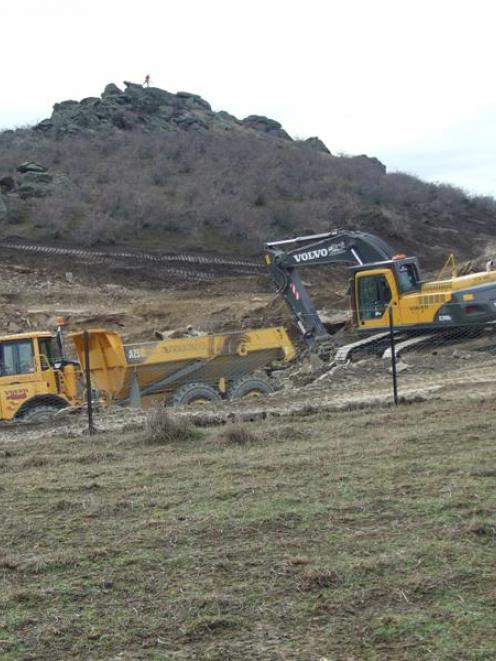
{"x": 223, "y": 114}
{"x": 34, "y": 177}
{"x": 132, "y": 87}
{"x": 265, "y": 125}
{"x": 188, "y": 121}
{"x": 61, "y": 181}
{"x": 7, "y": 184}
{"x": 27, "y": 190}
{"x": 369, "y": 163}
{"x": 111, "y": 90}
{"x": 194, "y": 100}
{"x": 30, "y": 166}
{"x": 91, "y": 101}
{"x": 120, "y": 121}
{"x": 45, "y": 126}
{"x": 64, "y": 106}
{"x": 317, "y": 144}
{"x": 41, "y": 184}
{"x": 261, "y": 123}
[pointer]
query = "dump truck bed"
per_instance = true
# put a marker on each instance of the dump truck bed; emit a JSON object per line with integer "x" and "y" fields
{"x": 128, "y": 372}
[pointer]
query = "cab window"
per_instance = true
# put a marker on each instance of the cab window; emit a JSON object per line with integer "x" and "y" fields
{"x": 46, "y": 352}
{"x": 374, "y": 296}
{"x": 17, "y": 358}
{"x": 407, "y": 277}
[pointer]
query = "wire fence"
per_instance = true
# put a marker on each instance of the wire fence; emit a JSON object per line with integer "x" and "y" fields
{"x": 392, "y": 366}
{"x": 445, "y": 359}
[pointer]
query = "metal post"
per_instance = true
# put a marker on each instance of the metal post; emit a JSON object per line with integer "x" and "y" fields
{"x": 89, "y": 396}
{"x": 393, "y": 356}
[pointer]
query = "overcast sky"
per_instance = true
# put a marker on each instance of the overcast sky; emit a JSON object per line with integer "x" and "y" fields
{"x": 409, "y": 81}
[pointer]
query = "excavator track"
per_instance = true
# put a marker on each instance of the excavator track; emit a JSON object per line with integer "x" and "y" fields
{"x": 345, "y": 352}
{"x": 409, "y": 343}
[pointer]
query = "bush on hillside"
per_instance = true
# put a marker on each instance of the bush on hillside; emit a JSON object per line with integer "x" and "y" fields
{"x": 231, "y": 191}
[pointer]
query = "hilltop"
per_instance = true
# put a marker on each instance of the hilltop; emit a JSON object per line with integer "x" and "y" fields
{"x": 148, "y": 168}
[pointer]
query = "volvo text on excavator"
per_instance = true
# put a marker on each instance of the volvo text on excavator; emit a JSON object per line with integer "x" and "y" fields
{"x": 381, "y": 280}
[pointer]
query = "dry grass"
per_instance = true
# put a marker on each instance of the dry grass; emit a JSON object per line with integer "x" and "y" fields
{"x": 353, "y": 535}
{"x": 162, "y": 427}
{"x": 237, "y": 434}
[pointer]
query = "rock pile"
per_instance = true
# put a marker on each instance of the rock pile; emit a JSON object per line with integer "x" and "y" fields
{"x": 31, "y": 180}
{"x": 151, "y": 108}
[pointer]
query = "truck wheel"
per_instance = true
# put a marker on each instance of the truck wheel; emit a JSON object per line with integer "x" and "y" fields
{"x": 249, "y": 386}
{"x": 41, "y": 413}
{"x": 195, "y": 393}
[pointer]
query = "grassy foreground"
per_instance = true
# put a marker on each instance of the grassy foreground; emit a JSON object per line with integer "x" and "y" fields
{"x": 360, "y": 535}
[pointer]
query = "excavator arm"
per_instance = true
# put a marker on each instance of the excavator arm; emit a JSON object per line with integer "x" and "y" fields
{"x": 340, "y": 246}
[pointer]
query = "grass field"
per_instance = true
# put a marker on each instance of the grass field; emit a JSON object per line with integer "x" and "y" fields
{"x": 353, "y": 535}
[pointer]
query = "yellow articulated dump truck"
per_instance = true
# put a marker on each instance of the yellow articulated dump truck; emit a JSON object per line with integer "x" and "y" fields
{"x": 37, "y": 380}
{"x": 184, "y": 370}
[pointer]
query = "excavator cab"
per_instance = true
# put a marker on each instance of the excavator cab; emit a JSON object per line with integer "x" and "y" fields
{"x": 374, "y": 290}
{"x": 378, "y": 287}
{"x": 373, "y": 296}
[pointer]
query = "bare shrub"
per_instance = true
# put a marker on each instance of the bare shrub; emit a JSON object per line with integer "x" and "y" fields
{"x": 229, "y": 191}
{"x": 161, "y": 427}
{"x": 238, "y": 435}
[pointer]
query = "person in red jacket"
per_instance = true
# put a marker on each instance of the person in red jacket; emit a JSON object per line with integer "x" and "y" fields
{"x": 147, "y": 81}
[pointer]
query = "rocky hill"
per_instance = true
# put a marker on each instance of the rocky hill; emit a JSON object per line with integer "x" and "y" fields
{"x": 148, "y": 168}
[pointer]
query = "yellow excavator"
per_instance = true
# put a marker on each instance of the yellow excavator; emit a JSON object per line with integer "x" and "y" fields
{"x": 381, "y": 280}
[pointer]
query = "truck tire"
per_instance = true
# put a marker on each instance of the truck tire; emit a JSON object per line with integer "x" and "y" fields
{"x": 249, "y": 386}
{"x": 195, "y": 393}
{"x": 40, "y": 413}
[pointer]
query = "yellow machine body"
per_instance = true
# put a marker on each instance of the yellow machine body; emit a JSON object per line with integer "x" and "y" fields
{"x": 31, "y": 379}
{"x": 151, "y": 370}
{"x": 457, "y": 301}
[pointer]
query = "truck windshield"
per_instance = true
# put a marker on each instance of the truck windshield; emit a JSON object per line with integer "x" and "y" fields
{"x": 17, "y": 357}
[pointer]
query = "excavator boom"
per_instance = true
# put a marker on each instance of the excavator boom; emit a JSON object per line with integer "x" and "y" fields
{"x": 349, "y": 247}
{"x": 353, "y": 248}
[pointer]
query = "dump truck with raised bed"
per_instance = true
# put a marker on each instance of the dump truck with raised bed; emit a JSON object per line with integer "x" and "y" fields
{"x": 184, "y": 370}
{"x": 381, "y": 280}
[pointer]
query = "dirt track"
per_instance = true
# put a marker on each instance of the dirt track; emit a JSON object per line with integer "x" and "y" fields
{"x": 136, "y": 293}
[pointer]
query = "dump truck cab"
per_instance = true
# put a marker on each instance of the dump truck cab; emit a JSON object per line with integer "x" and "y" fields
{"x": 35, "y": 381}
